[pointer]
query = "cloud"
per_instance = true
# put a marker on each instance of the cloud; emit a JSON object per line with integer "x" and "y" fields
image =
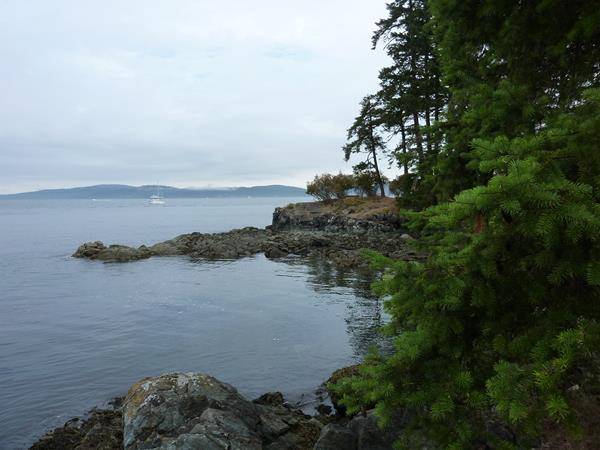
{"x": 191, "y": 92}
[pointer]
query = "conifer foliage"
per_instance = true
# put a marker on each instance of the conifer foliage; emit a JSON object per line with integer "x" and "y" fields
{"x": 501, "y": 323}
{"x": 410, "y": 101}
{"x": 364, "y": 138}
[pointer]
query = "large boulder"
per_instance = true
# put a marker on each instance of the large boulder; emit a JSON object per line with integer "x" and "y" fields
{"x": 336, "y": 437}
{"x": 369, "y": 436}
{"x": 362, "y": 432}
{"x": 197, "y": 411}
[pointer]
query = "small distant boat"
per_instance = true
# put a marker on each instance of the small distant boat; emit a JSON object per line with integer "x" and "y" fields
{"x": 156, "y": 199}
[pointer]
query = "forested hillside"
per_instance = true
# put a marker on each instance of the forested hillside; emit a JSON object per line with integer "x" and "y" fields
{"x": 491, "y": 110}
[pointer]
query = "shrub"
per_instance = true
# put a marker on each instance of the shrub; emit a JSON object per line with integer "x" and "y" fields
{"x": 341, "y": 184}
{"x": 366, "y": 182}
{"x": 328, "y": 187}
{"x": 320, "y": 187}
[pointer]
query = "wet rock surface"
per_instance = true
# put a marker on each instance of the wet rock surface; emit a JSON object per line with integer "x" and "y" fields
{"x": 196, "y": 411}
{"x": 342, "y": 248}
{"x": 102, "y": 429}
{"x": 338, "y": 232}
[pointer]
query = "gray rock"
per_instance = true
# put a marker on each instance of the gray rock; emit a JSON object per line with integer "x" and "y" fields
{"x": 102, "y": 429}
{"x": 167, "y": 248}
{"x": 342, "y": 248}
{"x": 197, "y": 411}
{"x": 369, "y": 436}
{"x": 168, "y": 410}
{"x": 336, "y": 437}
{"x": 220, "y": 429}
{"x": 282, "y": 428}
{"x": 323, "y": 409}
{"x": 334, "y": 216}
{"x": 337, "y": 231}
{"x": 89, "y": 250}
{"x": 97, "y": 250}
{"x": 273, "y": 252}
{"x": 270, "y": 398}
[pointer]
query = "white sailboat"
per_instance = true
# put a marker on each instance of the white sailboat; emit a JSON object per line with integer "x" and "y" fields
{"x": 156, "y": 199}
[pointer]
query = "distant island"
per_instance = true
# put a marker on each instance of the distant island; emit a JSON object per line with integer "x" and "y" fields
{"x": 122, "y": 191}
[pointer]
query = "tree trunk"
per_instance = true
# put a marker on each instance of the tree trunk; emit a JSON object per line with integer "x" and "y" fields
{"x": 436, "y": 120}
{"x": 428, "y": 102}
{"x": 415, "y": 113}
{"x": 403, "y": 133}
{"x": 418, "y": 138}
{"x": 428, "y": 124}
{"x": 376, "y": 166}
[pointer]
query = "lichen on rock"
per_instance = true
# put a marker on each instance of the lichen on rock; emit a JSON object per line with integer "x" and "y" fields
{"x": 197, "y": 411}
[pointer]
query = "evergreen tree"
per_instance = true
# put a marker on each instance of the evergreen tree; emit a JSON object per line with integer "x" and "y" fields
{"x": 505, "y": 314}
{"x": 508, "y": 66}
{"x": 502, "y": 320}
{"x": 412, "y": 96}
{"x": 365, "y": 138}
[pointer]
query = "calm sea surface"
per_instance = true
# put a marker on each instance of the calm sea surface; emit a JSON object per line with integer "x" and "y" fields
{"x": 74, "y": 333}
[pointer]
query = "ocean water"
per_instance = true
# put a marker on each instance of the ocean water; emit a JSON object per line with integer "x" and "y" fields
{"x": 75, "y": 333}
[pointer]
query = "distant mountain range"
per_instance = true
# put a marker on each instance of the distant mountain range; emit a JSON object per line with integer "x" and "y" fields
{"x": 119, "y": 191}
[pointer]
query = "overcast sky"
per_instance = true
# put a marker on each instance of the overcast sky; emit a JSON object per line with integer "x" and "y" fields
{"x": 186, "y": 92}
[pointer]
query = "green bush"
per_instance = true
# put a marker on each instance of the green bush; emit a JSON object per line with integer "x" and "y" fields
{"x": 366, "y": 182}
{"x": 327, "y": 187}
{"x": 341, "y": 184}
{"x": 321, "y": 187}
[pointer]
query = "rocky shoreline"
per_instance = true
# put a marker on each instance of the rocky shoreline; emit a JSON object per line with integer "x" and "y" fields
{"x": 197, "y": 411}
{"x": 303, "y": 229}
{"x": 342, "y": 248}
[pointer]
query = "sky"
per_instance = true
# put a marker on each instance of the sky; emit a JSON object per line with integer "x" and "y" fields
{"x": 182, "y": 92}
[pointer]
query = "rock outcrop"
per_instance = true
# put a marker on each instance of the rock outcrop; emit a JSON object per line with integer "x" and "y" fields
{"x": 350, "y": 215}
{"x": 335, "y": 436}
{"x": 369, "y": 436}
{"x": 97, "y": 250}
{"x": 337, "y": 231}
{"x": 101, "y": 430}
{"x": 197, "y": 411}
{"x": 194, "y": 411}
{"x": 343, "y": 248}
